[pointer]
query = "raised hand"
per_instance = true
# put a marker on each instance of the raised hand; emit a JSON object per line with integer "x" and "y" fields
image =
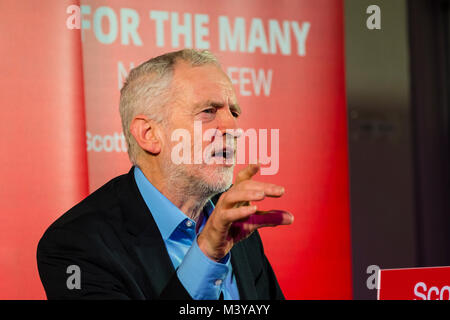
{"x": 235, "y": 218}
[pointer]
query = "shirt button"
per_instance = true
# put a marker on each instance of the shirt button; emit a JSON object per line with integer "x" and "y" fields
{"x": 188, "y": 223}
{"x": 218, "y": 282}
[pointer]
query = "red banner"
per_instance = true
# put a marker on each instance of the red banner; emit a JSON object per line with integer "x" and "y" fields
{"x": 286, "y": 60}
{"x": 43, "y": 164}
{"x": 414, "y": 284}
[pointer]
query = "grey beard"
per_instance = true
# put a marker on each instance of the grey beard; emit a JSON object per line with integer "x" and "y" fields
{"x": 181, "y": 182}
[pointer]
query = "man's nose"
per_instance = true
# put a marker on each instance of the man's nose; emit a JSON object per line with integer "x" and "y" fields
{"x": 226, "y": 120}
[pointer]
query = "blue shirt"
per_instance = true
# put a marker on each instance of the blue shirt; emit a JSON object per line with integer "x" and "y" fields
{"x": 202, "y": 277}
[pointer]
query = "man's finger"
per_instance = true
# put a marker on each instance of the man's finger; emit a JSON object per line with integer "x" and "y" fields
{"x": 249, "y": 222}
{"x": 270, "y": 218}
{"x": 269, "y": 189}
{"x": 256, "y": 191}
{"x": 236, "y": 214}
{"x": 247, "y": 173}
{"x": 235, "y": 197}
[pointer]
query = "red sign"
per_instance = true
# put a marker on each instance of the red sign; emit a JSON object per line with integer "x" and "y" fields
{"x": 414, "y": 284}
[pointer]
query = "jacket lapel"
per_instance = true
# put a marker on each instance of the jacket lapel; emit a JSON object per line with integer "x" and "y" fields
{"x": 243, "y": 272}
{"x": 148, "y": 242}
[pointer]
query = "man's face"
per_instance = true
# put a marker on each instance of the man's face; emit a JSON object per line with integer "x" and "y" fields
{"x": 203, "y": 95}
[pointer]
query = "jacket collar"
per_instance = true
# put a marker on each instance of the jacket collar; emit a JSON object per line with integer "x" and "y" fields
{"x": 166, "y": 215}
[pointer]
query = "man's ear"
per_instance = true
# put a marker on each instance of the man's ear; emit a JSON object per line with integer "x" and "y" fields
{"x": 146, "y": 133}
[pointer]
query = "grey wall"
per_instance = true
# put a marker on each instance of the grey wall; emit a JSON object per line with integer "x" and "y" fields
{"x": 380, "y": 141}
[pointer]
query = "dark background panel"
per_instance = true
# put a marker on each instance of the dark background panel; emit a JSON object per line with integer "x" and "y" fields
{"x": 397, "y": 103}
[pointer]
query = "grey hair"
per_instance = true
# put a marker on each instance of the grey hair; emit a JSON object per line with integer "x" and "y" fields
{"x": 146, "y": 90}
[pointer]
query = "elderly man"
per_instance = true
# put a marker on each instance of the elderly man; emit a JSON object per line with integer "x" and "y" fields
{"x": 154, "y": 233}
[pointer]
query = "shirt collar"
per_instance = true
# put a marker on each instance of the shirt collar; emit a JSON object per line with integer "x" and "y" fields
{"x": 166, "y": 215}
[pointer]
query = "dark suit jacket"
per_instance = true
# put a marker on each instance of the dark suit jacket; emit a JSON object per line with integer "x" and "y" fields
{"x": 113, "y": 238}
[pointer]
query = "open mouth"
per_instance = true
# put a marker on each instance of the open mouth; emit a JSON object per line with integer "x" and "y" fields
{"x": 226, "y": 154}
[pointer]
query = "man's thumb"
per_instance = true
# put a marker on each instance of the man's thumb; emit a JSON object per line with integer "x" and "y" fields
{"x": 247, "y": 173}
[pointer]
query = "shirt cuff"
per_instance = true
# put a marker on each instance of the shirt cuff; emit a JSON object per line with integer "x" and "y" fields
{"x": 202, "y": 277}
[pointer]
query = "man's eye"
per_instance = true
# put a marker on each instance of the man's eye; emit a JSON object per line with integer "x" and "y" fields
{"x": 210, "y": 110}
{"x": 235, "y": 114}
